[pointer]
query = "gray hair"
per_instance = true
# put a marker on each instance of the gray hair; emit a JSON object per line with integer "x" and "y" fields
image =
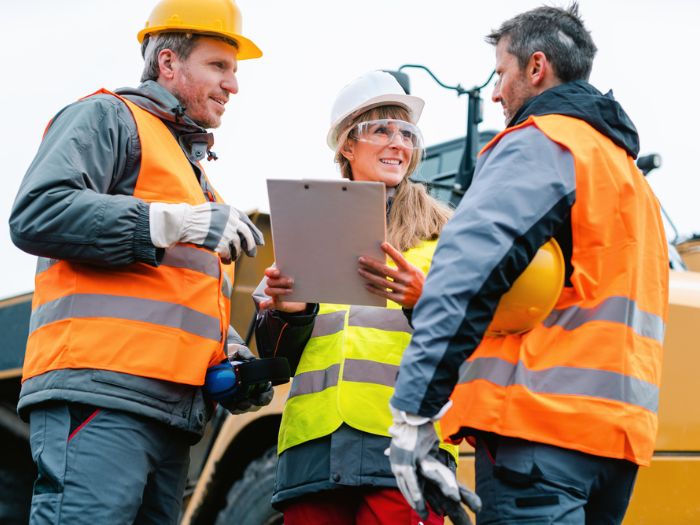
{"x": 558, "y": 33}
{"x": 179, "y": 43}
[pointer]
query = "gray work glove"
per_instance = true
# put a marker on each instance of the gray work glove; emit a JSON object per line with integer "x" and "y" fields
{"x": 420, "y": 475}
{"x": 219, "y": 227}
{"x": 238, "y": 404}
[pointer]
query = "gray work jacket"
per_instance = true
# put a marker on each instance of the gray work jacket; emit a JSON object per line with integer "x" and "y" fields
{"x": 76, "y": 203}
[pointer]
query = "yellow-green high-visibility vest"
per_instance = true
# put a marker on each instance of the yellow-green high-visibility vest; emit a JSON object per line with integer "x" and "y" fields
{"x": 348, "y": 368}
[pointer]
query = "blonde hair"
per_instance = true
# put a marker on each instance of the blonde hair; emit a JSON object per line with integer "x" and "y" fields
{"x": 415, "y": 216}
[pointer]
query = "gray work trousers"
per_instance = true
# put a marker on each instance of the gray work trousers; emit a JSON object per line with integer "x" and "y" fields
{"x": 101, "y": 466}
{"x": 522, "y": 482}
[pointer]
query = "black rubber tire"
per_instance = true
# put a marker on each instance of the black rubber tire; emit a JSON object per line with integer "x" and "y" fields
{"x": 248, "y": 500}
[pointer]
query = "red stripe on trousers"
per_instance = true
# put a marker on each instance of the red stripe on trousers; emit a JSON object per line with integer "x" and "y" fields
{"x": 80, "y": 427}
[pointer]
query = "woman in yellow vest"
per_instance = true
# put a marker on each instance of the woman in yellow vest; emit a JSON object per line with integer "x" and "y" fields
{"x": 332, "y": 466}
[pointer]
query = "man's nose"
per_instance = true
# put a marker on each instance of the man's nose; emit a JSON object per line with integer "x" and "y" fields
{"x": 230, "y": 84}
{"x": 496, "y": 95}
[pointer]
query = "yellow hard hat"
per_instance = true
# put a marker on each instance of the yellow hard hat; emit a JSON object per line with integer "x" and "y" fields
{"x": 210, "y": 17}
{"x": 533, "y": 294}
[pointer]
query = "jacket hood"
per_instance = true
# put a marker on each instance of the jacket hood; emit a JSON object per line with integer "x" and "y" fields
{"x": 154, "y": 98}
{"x": 581, "y": 100}
{"x": 160, "y": 102}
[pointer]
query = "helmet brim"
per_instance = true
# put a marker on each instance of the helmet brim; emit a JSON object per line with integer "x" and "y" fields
{"x": 246, "y": 47}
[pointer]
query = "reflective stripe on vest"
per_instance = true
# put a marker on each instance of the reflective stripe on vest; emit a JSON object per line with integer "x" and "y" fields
{"x": 44, "y": 263}
{"x": 364, "y": 371}
{"x": 328, "y": 323}
{"x": 348, "y": 369}
{"x": 182, "y": 256}
{"x": 393, "y": 320}
{"x": 615, "y": 310}
{"x": 587, "y": 378}
{"x": 167, "y": 322}
{"x": 314, "y": 381}
{"x": 161, "y": 313}
{"x": 359, "y": 370}
{"x": 564, "y": 380}
{"x": 227, "y": 286}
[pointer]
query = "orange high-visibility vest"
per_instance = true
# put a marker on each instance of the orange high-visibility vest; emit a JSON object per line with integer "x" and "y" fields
{"x": 587, "y": 378}
{"x": 167, "y": 322}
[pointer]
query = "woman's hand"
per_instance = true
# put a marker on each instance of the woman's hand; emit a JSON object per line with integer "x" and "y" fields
{"x": 403, "y": 284}
{"x": 278, "y": 286}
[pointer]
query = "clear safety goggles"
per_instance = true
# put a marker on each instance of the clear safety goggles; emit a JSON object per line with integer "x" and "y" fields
{"x": 383, "y": 132}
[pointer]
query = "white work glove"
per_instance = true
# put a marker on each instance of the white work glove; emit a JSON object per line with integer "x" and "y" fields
{"x": 216, "y": 226}
{"x": 420, "y": 475}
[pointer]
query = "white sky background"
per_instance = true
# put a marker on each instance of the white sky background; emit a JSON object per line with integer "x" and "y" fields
{"x": 54, "y": 52}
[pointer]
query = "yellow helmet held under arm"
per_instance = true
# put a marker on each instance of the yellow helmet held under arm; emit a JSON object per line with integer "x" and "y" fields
{"x": 533, "y": 294}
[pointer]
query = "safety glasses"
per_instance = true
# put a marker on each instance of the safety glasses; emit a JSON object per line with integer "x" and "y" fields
{"x": 388, "y": 131}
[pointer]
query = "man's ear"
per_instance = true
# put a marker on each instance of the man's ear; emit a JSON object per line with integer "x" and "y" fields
{"x": 538, "y": 68}
{"x": 167, "y": 61}
{"x": 347, "y": 150}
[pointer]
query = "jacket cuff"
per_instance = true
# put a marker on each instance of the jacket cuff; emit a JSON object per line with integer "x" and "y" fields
{"x": 144, "y": 250}
{"x": 303, "y": 318}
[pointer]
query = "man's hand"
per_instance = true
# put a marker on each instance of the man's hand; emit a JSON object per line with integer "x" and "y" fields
{"x": 419, "y": 474}
{"x": 440, "y": 486}
{"x": 251, "y": 249}
{"x": 403, "y": 284}
{"x": 413, "y": 437}
{"x": 253, "y": 401}
{"x": 222, "y": 385}
{"x": 219, "y": 227}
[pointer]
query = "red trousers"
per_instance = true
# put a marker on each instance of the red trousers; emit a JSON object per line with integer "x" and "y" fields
{"x": 355, "y": 506}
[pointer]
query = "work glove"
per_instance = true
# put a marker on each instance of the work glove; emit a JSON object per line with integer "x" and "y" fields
{"x": 216, "y": 226}
{"x": 420, "y": 476}
{"x": 222, "y": 385}
{"x": 255, "y": 400}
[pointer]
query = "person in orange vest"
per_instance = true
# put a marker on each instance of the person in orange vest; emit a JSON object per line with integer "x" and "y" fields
{"x": 561, "y": 416}
{"x": 132, "y": 301}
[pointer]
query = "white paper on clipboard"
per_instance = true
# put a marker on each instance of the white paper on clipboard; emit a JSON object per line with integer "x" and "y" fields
{"x": 319, "y": 230}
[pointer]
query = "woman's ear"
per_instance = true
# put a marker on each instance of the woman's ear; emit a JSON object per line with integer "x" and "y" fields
{"x": 347, "y": 150}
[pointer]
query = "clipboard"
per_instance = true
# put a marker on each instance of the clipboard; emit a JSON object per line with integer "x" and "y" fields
{"x": 319, "y": 230}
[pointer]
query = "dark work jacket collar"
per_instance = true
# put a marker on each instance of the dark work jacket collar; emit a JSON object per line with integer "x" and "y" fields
{"x": 581, "y": 100}
{"x": 194, "y": 140}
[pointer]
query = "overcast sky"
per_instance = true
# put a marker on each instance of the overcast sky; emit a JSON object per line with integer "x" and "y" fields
{"x": 55, "y": 52}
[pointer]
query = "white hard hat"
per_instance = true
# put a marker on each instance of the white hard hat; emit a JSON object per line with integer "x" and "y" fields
{"x": 376, "y": 88}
